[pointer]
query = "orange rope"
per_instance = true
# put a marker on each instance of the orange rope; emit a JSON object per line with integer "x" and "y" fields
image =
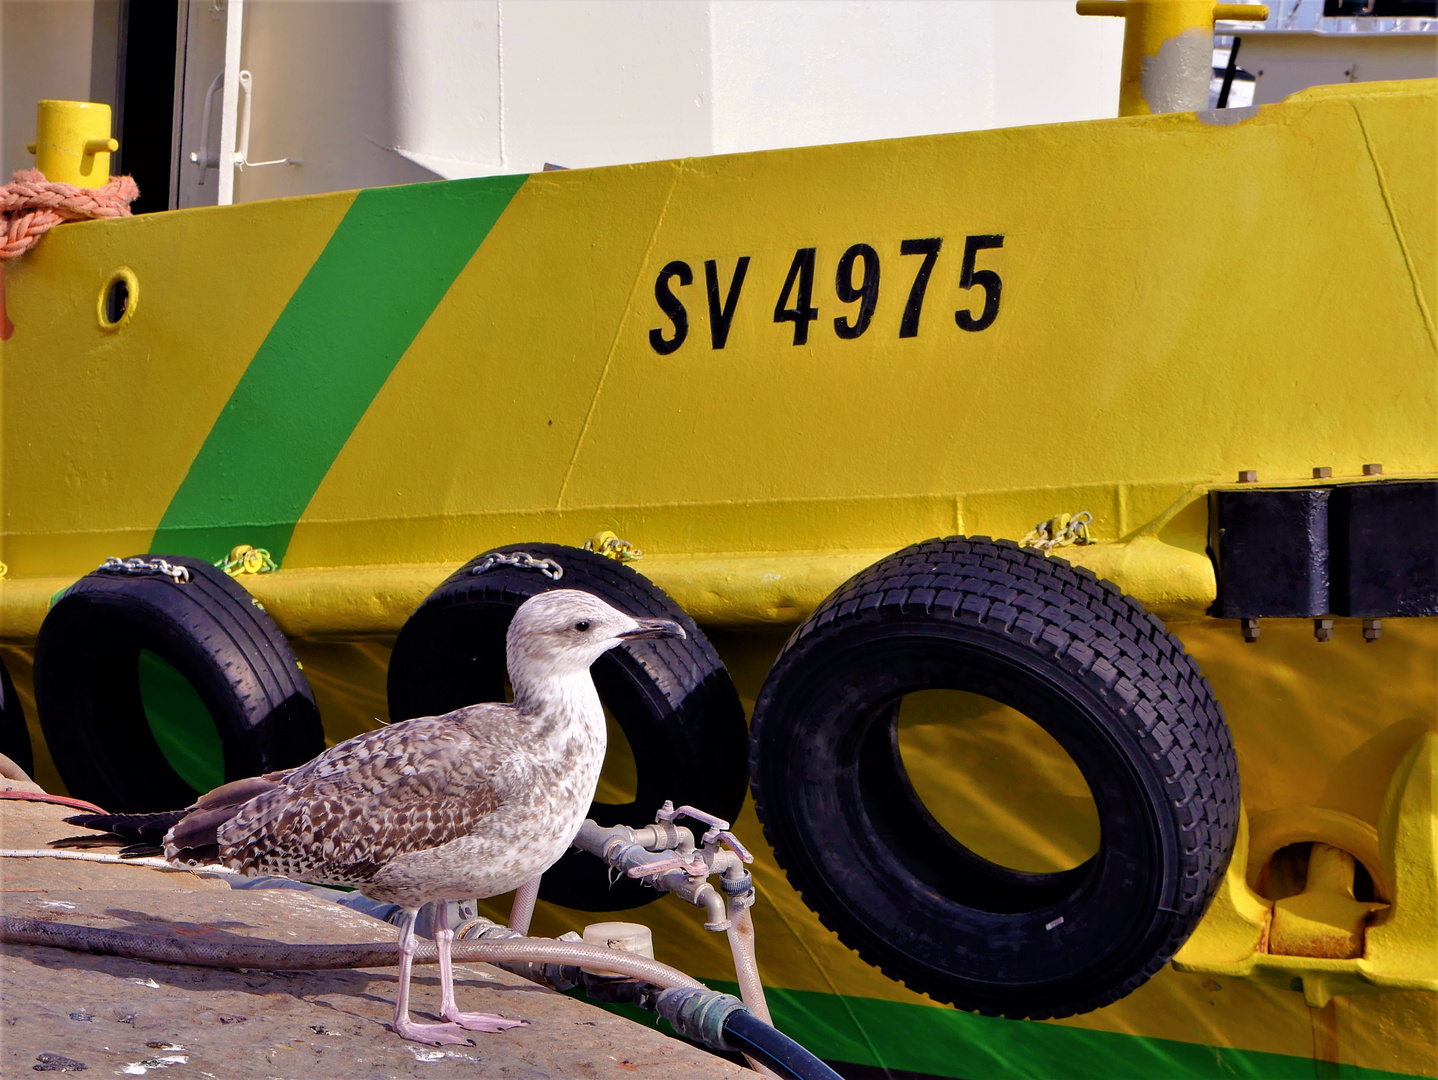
{"x": 31, "y": 206}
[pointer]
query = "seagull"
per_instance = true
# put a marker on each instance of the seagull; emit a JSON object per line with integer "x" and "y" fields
{"x": 474, "y": 803}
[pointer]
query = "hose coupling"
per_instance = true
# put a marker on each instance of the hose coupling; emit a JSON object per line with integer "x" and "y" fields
{"x": 481, "y": 929}
{"x": 563, "y": 977}
{"x": 559, "y": 977}
{"x": 699, "y": 1014}
{"x": 736, "y": 881}
{"x": 621, "y": 990}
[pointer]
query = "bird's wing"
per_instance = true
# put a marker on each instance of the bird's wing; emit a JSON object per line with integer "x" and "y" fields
{"x": 427, "y": 751}
{"x": 407, "y": 787}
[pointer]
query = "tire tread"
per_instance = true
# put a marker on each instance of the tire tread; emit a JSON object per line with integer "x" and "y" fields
{"x": 1091, "y": 628}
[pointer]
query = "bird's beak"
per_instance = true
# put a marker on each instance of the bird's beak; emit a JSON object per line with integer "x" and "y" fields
{"x": 653, "y": 628}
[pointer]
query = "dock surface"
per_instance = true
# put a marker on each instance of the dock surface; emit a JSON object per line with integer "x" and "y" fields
{"x": 69, "y": 1011}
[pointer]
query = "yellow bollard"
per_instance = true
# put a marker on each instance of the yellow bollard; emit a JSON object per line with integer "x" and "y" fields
{"x": 1167, "y": 50}
{"x": 73, "y": 144}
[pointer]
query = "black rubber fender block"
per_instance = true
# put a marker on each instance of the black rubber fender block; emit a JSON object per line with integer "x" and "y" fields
{"x": 204, "y": 625}
{"x": 673, "y": 699}
{"x": 14, "y": 736}
{"x": 1072, "y": 653}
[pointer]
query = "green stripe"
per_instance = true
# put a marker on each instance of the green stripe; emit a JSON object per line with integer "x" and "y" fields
{"x": 389, "y": 263}
{"x": 921, "y": 1040}
{"x": 947, "y": 1043}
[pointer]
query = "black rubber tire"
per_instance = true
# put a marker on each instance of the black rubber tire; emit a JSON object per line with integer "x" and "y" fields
{"x": 14, "y": 735}
{"x": 673, "y": 699}
{"x": 1077, "y": 656}
{"x": 87, "y": 688}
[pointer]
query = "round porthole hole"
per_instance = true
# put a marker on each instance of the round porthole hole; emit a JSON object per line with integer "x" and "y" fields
{"x": 118, "y": 299}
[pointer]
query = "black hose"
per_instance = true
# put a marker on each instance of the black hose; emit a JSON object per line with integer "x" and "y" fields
{"x": 723, "y": 1022}
{"x": 747, "y": 1033}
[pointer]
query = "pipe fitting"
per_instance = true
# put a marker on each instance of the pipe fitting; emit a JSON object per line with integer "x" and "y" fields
{"x": 627, "y": 850}
{"x": 663, "y": 836}
{"x": 700, "y": 893}
{"x": 736, "y": 881}
{"x": 559, "y": 977}
{"x": 622, "y": 991}
{"x": 699, "y": 1014}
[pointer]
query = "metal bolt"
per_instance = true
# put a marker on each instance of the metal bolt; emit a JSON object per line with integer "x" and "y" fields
{"x": 1322, "y": 472}
{"x": 1372, "y": 629}
{"x": 1248, "y": 476}
{"x": 1373, "y": 470}
{"x": 1250, "y": 630}
{"x": 1323, "y": 629}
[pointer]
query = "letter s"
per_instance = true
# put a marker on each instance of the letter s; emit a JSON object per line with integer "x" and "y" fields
{"x": 671, "y": 306}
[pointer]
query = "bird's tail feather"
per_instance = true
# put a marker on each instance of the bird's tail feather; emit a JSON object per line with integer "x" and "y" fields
{"x": 188, "y": 835}
{"x": 138, "y": 834}
{"x": 195, "y": 837}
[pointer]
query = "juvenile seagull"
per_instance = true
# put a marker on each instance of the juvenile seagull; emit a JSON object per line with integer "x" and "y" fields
{"x": 474, "y": 803}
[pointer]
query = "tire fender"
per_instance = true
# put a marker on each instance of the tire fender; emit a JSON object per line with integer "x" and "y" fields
{"x": 1072, "y": 653}
{"x": 210, "y": 631}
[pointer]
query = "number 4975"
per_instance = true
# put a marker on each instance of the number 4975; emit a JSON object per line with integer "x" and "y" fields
{"x": 856, "y": 285}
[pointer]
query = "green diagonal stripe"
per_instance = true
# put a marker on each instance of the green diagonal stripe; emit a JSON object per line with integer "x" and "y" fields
{"x": 389, "y": 263}
{"x": 923, "y": 1041}
{"x": 901, "y": 1041}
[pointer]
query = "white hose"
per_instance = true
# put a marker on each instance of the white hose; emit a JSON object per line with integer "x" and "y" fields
{"x": 283, "y": 956}
{"x": 149, "y": 862}
{"x": 523, "y": 910}
{"x": 746, "y": 965}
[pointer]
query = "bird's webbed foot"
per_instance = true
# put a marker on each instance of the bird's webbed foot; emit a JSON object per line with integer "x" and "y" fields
{"x": 434, "y": 1034}
{"x": 478, "y": 1021}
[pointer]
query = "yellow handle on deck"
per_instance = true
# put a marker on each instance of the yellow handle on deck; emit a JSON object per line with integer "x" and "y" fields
{"x": 73, "y": 143}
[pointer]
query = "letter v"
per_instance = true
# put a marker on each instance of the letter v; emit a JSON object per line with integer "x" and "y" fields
{"x": 720, "y": 319}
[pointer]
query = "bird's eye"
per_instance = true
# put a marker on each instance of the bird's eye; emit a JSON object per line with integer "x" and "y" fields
{"x": 582, "y": 625}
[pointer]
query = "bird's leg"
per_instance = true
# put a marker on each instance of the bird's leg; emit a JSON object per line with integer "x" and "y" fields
{"x": 523, "y": 909}
{"x": 448, "y": 1010}
{"x": 404, "y": 1027}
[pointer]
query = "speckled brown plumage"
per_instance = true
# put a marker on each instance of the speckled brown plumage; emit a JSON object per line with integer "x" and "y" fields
{"x": 408, "y": 789}
{"x": 470, "y": 804}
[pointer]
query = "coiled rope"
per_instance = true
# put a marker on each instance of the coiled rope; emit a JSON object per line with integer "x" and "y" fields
{"x": 31, "y": 206}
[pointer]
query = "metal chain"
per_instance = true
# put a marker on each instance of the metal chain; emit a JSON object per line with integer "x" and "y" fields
{"x": 1060, "y": 531}
{"x": 521, "y": 559}
{"x": 180, "y": 575}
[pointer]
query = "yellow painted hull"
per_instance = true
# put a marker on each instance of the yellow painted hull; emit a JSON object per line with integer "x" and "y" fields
{"x": 1181, "y": 299}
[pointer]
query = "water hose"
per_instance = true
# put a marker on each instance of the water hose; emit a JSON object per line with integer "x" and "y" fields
{"x": 719, "y": 1021}
{"x": 108, "y": 857}
{"x": 745, "y": 1032}
{"x": 746, "y": 963}
{"x": 723, "y": 1022}
{"x": 274, "y": 956}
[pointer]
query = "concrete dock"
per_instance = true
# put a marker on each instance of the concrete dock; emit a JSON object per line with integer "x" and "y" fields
{"x": 68, "y": 1011}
